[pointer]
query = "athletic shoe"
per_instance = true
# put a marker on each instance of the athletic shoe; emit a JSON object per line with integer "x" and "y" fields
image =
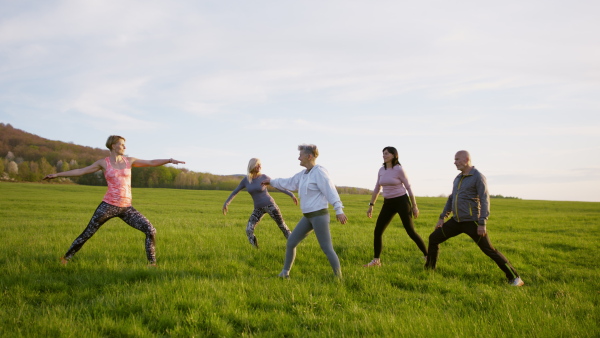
{"x": 517, "y": 282}
{"x": 152, "y": 265}
{"x": 374, "y": 262}
{"x": 284, "y": 275}
{"x": 254, "y": 242}
{"x": 63, "y": 261}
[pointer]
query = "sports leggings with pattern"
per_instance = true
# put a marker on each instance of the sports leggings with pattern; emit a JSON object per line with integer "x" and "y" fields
{"x": 391, "y": 206}
{"x": 257, "y": 215}
{"x": 129, "y": 215}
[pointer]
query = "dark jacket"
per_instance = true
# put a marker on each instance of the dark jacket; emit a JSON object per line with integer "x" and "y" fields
{"x": 470, "y": 200}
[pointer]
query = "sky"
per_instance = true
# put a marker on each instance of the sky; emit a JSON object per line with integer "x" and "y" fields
{"x": 215, "y": 83}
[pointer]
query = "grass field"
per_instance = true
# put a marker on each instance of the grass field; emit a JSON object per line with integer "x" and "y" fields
{"x": 211, "y": 282}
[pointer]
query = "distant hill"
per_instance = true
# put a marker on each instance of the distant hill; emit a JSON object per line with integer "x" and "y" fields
{"x": 28, "y": 157}
{"x": 30, "y": 147}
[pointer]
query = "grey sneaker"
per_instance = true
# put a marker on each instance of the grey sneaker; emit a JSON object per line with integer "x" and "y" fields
{"x": 517, "y": 282}
{"x": 254, "y": 242}
{"x": 284, "y": 275}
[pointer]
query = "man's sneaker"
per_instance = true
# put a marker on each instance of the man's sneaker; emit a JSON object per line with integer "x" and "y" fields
{"x": 63, "y": 261}
{"x": 284, "y": 275}
{"x": 254, "y": 242}
{"x": 374, "y": 262}
{"x": 517, "y": 282}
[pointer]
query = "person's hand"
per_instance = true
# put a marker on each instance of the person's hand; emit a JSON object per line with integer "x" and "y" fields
{"x": 266, "y": 181}
{"x": 481, "y": 230}
{"x": 342, "y": 218}
{"x": 415, "y": 211}
{"x": 295, "y": 200}
{"x": 174, "y": 161}
{"x": 370, "y": 211}
{"x": 224, "y": 210}
{"x": 50, "y": 176}
{"x": 439, "y": 224}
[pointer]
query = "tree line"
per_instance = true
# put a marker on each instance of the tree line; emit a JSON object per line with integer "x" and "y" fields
{"x": 29, "y": 158}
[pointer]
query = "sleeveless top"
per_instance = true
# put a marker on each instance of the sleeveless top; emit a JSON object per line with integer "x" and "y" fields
{"x": 119, "y": 184}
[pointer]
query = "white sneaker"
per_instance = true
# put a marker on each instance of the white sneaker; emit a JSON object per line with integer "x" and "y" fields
{"x": 517, "y": 282}
{"x": 374, "y": 262}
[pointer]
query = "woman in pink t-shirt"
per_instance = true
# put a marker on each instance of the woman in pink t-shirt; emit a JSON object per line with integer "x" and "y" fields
{"x": 117, "y": 201}
{"x": 398, "y": 199}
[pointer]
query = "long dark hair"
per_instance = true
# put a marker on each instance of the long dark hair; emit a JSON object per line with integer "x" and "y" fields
{"x": 394, "y": 152}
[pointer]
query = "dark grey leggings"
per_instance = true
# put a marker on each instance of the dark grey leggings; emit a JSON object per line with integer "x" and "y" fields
{"x": 320, "y": 224}
{"x": 129, "y": 215}
{"x": 257, "y": 215}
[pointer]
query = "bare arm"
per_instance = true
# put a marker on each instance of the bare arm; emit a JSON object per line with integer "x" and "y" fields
{"x": 78, "y": 172}
{"x": 135, "y": 162}
{"x": 373, "y": 200}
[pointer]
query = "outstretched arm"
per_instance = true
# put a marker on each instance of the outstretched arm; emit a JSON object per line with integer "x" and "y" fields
{"x": 77, "y": 172}
{"x": 135, "y": 162}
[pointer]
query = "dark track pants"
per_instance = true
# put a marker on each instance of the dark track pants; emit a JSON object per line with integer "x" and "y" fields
{"x": 453, "y": 228}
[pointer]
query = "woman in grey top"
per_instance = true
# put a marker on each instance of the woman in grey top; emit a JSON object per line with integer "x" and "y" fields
{"x": 263, "y": 202}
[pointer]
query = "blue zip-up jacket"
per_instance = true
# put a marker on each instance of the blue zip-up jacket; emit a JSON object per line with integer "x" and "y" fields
{"x": 470, "y": 200}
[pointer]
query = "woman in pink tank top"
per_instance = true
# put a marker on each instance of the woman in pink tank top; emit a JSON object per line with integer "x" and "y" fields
{"x": 117, "y": 201}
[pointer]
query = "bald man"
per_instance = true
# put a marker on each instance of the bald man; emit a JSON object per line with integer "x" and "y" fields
{"x": 469, "y": 204}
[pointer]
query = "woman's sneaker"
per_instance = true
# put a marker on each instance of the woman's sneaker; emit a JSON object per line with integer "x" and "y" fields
{"x": 374, "y": 262}
{"x": 517, "y": 282}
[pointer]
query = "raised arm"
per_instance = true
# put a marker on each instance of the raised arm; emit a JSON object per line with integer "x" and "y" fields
{"x": 239, "y": 188}
{"x": 78, "y": 172}
{"x": 136, "y": 162}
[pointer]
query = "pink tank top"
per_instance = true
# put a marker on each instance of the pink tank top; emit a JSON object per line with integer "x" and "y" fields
{"x": 119, "y": 184}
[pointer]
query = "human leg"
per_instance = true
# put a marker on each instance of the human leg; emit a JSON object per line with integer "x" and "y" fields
{"x": 103, "y": 213}
{"x": 275, "y": 214}
{"x": 405, "y": 212}
{"x": 321, "y": 226}
{"x": 383, "y": 220}
{"x": 450, "y": 229}
{"x": 302, "y": 229}
{"x": 138, "y": 221}
{"x": 255, "y": 217}
{"x": 486, "y": 246}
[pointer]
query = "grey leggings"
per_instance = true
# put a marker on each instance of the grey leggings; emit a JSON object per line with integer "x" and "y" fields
{"x": 320, "y": 224}
{"x": 129, "y": 215}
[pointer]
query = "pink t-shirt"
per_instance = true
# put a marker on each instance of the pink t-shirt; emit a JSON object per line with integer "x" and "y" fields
{"x": 393, "y": 181}
{"x": 119, "y": 184}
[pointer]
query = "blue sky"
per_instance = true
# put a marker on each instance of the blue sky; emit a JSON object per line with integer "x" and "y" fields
{"x": 215, "y": 83}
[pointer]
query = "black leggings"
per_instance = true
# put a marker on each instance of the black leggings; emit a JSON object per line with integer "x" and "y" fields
{"x": 391, "y": 206}
{"x": 453, "y": 228}
{"x": 129, "y": 215}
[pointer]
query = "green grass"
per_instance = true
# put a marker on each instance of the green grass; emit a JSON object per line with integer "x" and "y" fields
{"x": 211, "y": 282}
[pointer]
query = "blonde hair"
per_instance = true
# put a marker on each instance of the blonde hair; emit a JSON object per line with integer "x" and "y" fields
{"x": 251, "y": 165}
{"x": 309, "y": 149}
{"x": 112, "y": 139}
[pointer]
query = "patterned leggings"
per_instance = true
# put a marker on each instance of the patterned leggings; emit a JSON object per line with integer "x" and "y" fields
{"x": 257, "y": 215}
{"x": 129, "y": 215}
